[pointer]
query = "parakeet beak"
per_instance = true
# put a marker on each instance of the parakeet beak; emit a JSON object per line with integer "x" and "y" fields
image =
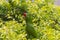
{"x": 24, "y": 14}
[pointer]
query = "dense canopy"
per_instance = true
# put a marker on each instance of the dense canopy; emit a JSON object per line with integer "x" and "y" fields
{"x": 45, "y": 19}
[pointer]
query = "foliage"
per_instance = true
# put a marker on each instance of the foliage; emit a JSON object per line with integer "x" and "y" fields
{"x": 46, "y": 19}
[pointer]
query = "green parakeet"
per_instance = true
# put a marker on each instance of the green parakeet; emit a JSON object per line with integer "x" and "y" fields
{"x": 29, "y": 26}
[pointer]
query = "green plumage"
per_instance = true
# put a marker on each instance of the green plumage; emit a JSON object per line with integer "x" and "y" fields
{"x": 31, "y": 31}
{"x": 29, "y": 27}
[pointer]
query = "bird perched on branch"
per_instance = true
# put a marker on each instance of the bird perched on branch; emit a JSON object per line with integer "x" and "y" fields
{"x": 31, "y": 32}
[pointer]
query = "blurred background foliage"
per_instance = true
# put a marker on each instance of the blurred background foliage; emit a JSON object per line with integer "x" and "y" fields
{"x": 46, "y": 19}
